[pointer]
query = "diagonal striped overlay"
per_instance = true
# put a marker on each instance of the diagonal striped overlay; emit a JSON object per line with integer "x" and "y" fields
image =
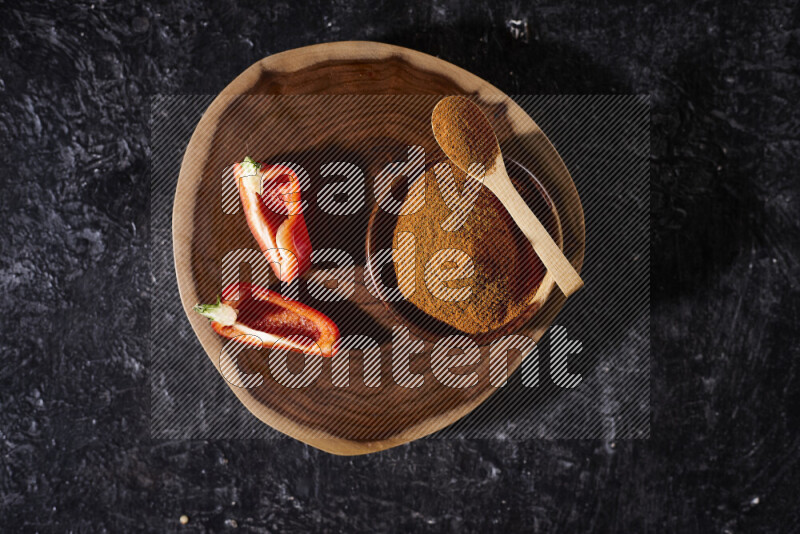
{"x": 604, "y": 142}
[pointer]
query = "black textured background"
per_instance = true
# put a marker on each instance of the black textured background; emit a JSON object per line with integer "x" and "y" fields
{"x": 75, "y": 452}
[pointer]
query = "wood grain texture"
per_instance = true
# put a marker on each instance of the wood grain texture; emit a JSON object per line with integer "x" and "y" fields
{"x": 356, "y": 419}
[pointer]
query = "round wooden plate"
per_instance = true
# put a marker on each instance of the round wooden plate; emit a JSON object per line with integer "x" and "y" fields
{"x": 356, "y": 419}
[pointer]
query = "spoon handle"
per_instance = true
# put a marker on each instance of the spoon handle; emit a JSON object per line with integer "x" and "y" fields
{"x": 565, "y": 275}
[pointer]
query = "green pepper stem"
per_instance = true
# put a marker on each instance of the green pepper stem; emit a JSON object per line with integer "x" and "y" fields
{"x": 251, "y": 174}
{"x": 219, "y": 312}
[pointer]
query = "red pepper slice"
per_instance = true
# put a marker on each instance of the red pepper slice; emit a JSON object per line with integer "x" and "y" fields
{"x": 274, "y": 215}
{"x": 268, "y": 316}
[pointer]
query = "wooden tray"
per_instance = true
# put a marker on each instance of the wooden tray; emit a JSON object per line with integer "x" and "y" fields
{"x": 356, "y": 419}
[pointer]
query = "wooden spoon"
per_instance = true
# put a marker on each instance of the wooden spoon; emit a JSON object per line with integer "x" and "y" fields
{"x": 467, "y": 138}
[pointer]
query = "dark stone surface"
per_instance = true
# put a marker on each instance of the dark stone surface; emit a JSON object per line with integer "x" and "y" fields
{"x": 75, "y": 451}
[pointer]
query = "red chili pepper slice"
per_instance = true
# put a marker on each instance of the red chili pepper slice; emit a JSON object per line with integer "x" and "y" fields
{"x": 274, "y": 215}
{"x": 268, "y": 316}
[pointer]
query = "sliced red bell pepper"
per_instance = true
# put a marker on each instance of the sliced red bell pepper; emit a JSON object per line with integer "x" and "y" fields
{"x": 275, "y": 216}
{"x": 269, "y": 317}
